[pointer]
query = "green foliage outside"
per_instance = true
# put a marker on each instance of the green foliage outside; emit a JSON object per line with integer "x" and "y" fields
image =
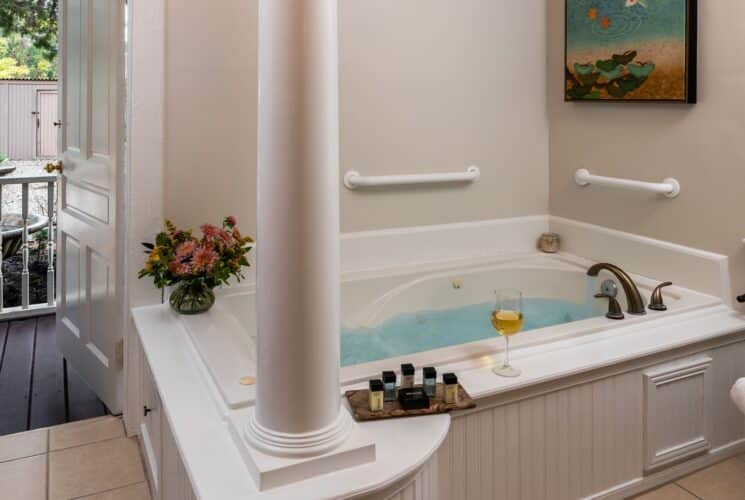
{"x": 35, "y": 20}
{"x": 20, "y": 58}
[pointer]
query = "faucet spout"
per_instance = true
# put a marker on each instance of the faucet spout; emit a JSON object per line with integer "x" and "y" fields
{"x": 633, "y": 297}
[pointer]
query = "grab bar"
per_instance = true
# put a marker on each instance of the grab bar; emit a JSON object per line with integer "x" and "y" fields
{"x": 353, "y": 179}
{"x": 669, "y": 187}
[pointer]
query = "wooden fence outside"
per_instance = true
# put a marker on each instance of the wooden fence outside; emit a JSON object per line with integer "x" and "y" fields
{"x": 28, "y": 110}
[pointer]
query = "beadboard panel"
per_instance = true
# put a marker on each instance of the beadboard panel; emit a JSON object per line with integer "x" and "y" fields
{"x": 176, "y": 484}
{"x": 563, "y": 445}
{"x": 421, "y": 487}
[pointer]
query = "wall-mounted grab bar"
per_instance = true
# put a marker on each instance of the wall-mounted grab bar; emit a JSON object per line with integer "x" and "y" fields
{"x": 353, "y": 179}
{"x": 669, "y": 187}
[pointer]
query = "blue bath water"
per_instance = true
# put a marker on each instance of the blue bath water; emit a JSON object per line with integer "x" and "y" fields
{"x": 425, "y": 330}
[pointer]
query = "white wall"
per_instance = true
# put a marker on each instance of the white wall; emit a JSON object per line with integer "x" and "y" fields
{"x": 701, "y": 145}
{"x": 426, "y": 85}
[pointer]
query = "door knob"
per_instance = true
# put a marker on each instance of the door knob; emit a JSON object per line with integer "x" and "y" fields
{"x": 51, "y": 167}
{"x": 57, "y": 124}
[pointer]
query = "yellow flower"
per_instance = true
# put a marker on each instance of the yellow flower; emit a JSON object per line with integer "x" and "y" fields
{"x": 155, "y": 255}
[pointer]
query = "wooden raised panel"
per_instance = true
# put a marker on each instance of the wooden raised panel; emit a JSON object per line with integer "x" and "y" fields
{"x": 675, "y": 412}
{"x": 75, "y": 16}
{"x": 100, "y": 90}
{"x": 99, "y": 295}
{"x": 70, "y": 309}
{"x": 86, "y": 202}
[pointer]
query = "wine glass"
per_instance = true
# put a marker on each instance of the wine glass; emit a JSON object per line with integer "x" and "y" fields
{"x": 507, "y": 320}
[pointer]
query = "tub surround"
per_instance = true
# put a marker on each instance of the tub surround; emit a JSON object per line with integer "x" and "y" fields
{"x": 211, "y": 454}
{"x": 196, "y": 361}
{"x": 706, "y": 272}
{"x": 225, "y": 338}
{"x": 212, "y": 463}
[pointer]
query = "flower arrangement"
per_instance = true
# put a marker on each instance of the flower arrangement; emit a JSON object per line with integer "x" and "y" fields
{"x": 196, "y": 264}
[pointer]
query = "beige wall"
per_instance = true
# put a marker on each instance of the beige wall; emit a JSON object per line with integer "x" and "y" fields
{"x": 426, "y": 85}
{"x": 701, "y": 145}
{"x": 210, "y": 112}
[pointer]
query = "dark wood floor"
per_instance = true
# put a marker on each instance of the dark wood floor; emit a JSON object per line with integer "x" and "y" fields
{"x": 37, "y": 387}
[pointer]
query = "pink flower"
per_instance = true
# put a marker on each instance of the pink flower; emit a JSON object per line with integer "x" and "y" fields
{"x": 225, "y": 237}
{"x": 185, "y": 250}
{"x": 216, "y": 234}
{"x": 230, "y": 221}
{"x": 180, "y": 269}
{"x": 211, "y": 231}
{"x": 204, "y": 258}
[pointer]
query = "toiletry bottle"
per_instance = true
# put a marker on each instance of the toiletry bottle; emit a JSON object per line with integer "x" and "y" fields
{"x": 389, "y": 385}
{"x": 407, "y": 375}
{"x": 429, "y": 381}
{"x": 451, "y": 388}
{"x": 376, "y": 395}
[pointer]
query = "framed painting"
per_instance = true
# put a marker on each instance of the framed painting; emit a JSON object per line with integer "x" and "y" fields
{"x": 631, "y": 50}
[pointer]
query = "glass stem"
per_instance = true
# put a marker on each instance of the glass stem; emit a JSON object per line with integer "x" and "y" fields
{"x": 507, "y": 351}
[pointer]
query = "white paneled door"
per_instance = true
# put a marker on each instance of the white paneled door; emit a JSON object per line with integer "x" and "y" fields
{"x": 91, "y": 95}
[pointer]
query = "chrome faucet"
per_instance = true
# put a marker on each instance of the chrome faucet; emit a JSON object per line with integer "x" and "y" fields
{"x": 633, "y": 297}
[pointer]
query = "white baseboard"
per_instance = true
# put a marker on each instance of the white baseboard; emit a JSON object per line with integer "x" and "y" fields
{"x": 642, "y": 484}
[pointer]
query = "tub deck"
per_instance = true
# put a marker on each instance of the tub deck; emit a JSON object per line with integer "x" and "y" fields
{"x": 37, "y": 388}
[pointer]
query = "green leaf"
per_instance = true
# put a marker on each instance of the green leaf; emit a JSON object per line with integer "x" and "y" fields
{"x": 607, "y": 65}
{"x": 625, "y": 58}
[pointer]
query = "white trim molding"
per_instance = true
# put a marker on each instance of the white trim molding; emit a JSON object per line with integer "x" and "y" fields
{"x": 667, "y": 389}
{"x": 144, "y": 177}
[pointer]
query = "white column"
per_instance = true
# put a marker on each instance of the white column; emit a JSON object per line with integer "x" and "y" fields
{"x": 298, "y": 408}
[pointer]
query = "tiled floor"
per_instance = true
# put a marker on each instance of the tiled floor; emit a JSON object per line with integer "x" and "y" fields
{"x": 93, "y": 460}
{"x": 723, "y": 481}
{"x": 90, "y": 459}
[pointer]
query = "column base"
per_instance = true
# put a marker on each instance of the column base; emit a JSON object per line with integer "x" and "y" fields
{"x": 276, "y": 459}
{"x": 301, "y": 445}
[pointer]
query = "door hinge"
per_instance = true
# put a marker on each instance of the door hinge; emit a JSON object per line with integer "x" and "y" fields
{"x": 120, "y": 353}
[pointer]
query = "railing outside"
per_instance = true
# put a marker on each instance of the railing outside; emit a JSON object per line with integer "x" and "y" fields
{"x": 25, "y": 176}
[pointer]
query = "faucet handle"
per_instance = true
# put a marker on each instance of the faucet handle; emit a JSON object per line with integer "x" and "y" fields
{"x": 657, "y": 303}
{"x": 614, "y": 308}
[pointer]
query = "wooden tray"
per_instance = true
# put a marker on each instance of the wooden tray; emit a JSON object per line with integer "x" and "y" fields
{"x": 359, "y": 401}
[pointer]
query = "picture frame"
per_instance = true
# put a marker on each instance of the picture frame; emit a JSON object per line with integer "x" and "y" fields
{"x": 631, "y": 51}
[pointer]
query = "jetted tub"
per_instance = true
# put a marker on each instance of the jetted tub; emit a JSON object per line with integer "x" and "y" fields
{"x": 431, "y": 315}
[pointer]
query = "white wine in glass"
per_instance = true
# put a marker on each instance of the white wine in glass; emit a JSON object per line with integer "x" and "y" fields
{"x": 507, "y": 319}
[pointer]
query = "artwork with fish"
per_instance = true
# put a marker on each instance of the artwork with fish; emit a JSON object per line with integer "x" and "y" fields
{"x": 631, "y": 50}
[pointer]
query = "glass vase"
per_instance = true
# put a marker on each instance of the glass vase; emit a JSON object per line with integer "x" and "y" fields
{"x": 192, "y": 297}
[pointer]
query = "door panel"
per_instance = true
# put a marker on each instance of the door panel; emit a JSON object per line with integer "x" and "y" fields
{"x": 46, "y": 133}
{"x": 92, "y": 105}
